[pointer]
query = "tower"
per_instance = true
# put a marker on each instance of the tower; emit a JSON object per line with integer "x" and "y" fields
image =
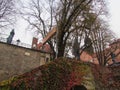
{"x": 34, "y": 43}
{"x": 10, "y": 37}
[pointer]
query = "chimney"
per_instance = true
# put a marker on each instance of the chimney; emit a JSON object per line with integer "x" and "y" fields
{"x": 34, "y": 43}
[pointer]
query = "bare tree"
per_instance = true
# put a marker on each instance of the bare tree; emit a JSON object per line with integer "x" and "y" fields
{"x": 39, "y": 14}
{"x": 69, "y": 13}
{"x": 82, "y": 25}
{"x": 7, "y": 11}
{"x": 69, "y": 17}
{"x": 102, "y": 37}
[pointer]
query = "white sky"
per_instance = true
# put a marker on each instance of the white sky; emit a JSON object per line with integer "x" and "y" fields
{"x": 114, "y": 9}
{"x": 21, "y": 33}
{"x": 114, "y": 21}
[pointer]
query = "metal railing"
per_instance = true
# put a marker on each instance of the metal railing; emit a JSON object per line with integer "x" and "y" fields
{"x": 21, "y": 44}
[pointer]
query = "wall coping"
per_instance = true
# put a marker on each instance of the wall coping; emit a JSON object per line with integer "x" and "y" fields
{"x": 24, "y": 47}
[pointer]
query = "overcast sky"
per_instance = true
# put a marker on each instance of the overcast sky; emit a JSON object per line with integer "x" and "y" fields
{"x": 114, "y": 9}
{"x": 114, "y": 21}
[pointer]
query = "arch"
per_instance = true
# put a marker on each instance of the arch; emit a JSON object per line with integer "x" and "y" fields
{"x": 78, "y": 87}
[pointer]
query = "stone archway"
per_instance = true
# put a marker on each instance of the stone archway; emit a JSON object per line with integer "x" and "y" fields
{"x": 78, "y": 87}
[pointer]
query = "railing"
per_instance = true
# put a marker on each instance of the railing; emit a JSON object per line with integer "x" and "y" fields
{"x": 3, "y": 38}
{"x": 21, "y": 44}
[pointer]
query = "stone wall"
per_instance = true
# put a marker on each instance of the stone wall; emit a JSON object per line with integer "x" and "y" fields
{"x": 15, "y": 60}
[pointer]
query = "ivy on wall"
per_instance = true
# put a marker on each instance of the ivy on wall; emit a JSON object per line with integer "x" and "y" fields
{"x": 60, "y": 74}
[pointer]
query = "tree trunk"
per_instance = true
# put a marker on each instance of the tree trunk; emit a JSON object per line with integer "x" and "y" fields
{"x": 53, "y": 55}
{"x": 60, "y": 43}
{"x": 61, "y": 49}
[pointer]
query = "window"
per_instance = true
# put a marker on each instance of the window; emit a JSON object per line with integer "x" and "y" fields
{"x": 47, "y": 59}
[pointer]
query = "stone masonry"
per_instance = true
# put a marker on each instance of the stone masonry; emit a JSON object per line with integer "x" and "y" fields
{"x": 15, "y": 60}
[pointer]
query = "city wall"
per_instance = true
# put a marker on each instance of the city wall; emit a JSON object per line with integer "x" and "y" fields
{"x": 15, "y": 60}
